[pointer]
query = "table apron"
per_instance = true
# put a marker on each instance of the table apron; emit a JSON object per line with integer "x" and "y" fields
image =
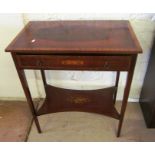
{"x": 61, "y": 62}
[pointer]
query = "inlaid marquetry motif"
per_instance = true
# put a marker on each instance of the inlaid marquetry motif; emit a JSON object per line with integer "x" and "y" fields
{"x": 72, "y": 62}
{"x": 78, "y": 100}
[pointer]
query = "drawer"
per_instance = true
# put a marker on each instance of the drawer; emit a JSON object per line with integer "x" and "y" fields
{"x": 55, "y": 62}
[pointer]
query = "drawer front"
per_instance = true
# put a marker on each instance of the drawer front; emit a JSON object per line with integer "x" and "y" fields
{"x": 111, "y": 63}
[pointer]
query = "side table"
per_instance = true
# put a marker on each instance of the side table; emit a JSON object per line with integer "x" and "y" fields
{"x": 76, "y": 45}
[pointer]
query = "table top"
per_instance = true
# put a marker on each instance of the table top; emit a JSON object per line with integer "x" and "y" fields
{"x": 79, "y": 37}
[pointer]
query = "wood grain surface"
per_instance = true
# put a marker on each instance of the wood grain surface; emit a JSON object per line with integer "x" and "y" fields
{"x": 76, "y": 37}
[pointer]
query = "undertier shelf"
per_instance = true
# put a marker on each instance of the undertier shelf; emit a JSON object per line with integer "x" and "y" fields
{"x": 94, "y": 101}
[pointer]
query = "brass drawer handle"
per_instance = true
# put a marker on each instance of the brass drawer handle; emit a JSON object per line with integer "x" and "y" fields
{"x": 72, "y": 62}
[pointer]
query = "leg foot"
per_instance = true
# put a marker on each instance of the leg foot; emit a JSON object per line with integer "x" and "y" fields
{"x": 37, "y": 125}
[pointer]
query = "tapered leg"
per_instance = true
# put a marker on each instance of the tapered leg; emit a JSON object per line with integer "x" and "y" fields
{"x": 24, "y": 83}
{"x": 43, "y": 77}
{"x": 44, "y": 80}
{"x": 126, "y": 93}
{"x": 116, "y": 85}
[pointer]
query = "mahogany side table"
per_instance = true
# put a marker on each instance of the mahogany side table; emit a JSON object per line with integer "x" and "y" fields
{"x": 76, "y": 45}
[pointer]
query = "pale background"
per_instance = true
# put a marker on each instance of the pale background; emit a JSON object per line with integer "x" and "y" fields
{"x": 10, "y": 88}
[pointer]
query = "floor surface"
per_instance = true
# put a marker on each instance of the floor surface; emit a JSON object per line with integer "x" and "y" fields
{"x": 15, "y": 121}
{"x": 80, "y": 126}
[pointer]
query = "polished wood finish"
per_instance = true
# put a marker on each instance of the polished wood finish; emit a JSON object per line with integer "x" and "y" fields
{"x": 99, "y": 101}
{"x": 116, "y": 84}
{"x": 126, "y": 93}
{"x": 92, "y": 37}
{"x": 147, "y": 96}
{"x": 108, "y": 63}
{"x": 24, "y": 83}
{"x": 76, "y": 45}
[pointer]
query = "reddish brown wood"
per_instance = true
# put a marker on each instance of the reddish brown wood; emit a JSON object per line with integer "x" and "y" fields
{"x": 44, "y": 80}
{"x": 77, "y": 45}
{"x": 91, "y": 37}
{"x": 96, "y": 101}
{"x": 111, "y": 63}
{"x": 24, "y": 83}
{"x": 43, "y": 77}
{"x": 116, "y": 85}
{"x": 126, "y": 93}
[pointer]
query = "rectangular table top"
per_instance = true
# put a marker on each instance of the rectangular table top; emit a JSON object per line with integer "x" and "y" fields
{"x": 76, "y": 37}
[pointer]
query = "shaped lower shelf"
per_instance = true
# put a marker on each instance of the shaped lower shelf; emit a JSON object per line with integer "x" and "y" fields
{"x": 95, "y": 101}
